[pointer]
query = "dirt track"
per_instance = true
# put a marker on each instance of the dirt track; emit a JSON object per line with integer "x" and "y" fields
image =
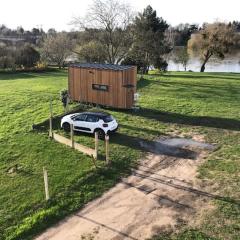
{"x": 161, "y": 194}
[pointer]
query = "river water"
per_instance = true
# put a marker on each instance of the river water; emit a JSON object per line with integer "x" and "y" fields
{"x": 231, "y": 63}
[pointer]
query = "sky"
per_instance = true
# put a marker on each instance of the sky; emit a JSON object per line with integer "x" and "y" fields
{"x": 58, "y": 13}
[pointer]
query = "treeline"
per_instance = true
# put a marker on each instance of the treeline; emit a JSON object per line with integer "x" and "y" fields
{"x": 16, "y": 35}
{"x": 111, "y": 32}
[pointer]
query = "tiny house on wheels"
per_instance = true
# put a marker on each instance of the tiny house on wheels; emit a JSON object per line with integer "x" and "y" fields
{"x": 103, "y": 84}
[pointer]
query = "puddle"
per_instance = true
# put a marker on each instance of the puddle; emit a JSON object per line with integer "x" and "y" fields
{"x": 176, "y": 147}
{"x": 184, "y": 142}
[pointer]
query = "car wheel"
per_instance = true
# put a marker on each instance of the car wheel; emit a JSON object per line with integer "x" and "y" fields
{"x": 101, "y": 133}
{"x": 66, "y": 127}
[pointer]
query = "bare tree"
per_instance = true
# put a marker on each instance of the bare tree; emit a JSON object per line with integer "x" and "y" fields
{"x": 215, "y": 39}
{"x": 113, "y": 20}
{"x": 56, "y": 48}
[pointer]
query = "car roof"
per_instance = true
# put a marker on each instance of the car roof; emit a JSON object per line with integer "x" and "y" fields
{"x": 98, "y": 114}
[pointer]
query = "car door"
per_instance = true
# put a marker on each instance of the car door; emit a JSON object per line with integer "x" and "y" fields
{"x": 92, "y": 122}
{"x": 79, "y": 123}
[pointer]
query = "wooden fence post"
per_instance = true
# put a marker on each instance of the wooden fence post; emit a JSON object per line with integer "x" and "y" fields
{"x": 72, "y": 135}
{"x": 96, "y": 145}
{"x": 107, "y": 148}
{"x": 45, "y": 177}
{"x": 50, "y": 120}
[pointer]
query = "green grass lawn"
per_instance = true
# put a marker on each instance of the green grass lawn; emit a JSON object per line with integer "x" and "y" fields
{"x": 185, "y": 102}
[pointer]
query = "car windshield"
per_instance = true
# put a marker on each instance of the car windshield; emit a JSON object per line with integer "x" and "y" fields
{"x": 108, "y": 118}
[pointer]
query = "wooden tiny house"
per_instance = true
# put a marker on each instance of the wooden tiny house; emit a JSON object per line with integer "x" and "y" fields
{"x": 103, "y": 84}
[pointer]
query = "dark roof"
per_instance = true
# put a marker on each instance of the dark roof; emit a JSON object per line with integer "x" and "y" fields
{"x": 102, "y": 66}
{"x": 99, "y": 114}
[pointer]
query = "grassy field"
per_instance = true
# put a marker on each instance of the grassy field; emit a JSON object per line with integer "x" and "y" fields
{"x": 183, "y": 102}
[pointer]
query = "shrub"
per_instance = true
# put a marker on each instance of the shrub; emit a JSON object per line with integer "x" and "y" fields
{"x": 64, "y": 98}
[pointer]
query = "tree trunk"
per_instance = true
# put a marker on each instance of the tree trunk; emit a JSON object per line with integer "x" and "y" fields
{"x": 207, "y": 56}
{"x": 203, "y": 67}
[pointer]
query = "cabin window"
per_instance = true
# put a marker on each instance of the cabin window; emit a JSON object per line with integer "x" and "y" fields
{"x": 100, "y": 87}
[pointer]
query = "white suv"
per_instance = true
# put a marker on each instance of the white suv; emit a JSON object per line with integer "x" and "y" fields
{"x": 90, "y": 122}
